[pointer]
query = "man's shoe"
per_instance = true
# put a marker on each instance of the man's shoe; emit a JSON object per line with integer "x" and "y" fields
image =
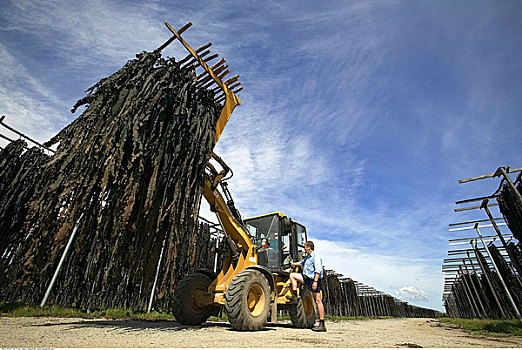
{"x": 292, "y": 299}
{"x": 320, "y": 327}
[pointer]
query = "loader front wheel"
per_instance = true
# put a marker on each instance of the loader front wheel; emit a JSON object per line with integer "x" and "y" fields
{"x": 302, "y": 313}
{"x": 191, "y": 299}
{"x": 247, "y": 301}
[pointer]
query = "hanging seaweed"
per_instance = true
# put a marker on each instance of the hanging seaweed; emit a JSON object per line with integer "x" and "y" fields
{"x": 20, "y": 176}
{"x": 331, "y": 288}
{"x": 516, "y": 255}
{"x": 133, "y": 164}
{"x": 511, "y": 281}
{"x": 511, "y": 207}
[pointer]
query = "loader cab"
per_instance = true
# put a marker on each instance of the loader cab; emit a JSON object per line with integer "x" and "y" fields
{"x": 279, "y": 239}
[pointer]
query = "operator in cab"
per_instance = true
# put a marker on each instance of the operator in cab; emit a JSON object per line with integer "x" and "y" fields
{"x": 312, "y": 267}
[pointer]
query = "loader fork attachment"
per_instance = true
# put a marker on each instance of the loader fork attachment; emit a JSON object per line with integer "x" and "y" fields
{"x": 210, "y": 77}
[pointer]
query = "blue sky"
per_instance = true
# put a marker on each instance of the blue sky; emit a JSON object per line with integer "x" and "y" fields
{"x": 358, "y": 117}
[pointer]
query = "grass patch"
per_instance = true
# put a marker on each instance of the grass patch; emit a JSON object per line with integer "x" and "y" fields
{"x": 491, "y": 327}
{"x": 20, "y": 310}
{"x": 216, "y": 318}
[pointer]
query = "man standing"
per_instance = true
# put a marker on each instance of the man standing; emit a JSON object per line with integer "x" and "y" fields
{"x": 312, "y": 266}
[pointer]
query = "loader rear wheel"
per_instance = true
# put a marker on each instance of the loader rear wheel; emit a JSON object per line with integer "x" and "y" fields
{"x": 247, "y": 301}
{"x": 191, "y": 300}
{"x": 302, "y": 313}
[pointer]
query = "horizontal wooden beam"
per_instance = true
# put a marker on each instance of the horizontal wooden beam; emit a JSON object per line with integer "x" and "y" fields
{"x": 474, "y": 221}
{"x": 475, "y": 207}
{"x": 486, "y": 176}
{"x": 22, "y": 134}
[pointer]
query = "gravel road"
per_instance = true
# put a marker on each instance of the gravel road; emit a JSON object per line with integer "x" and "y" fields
{"x": 29, "y": 332}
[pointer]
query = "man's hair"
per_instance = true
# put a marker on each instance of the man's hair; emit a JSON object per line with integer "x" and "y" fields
{"x": 309, "y": 244}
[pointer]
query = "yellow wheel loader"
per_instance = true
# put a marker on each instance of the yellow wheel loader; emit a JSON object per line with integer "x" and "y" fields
{"x": 254, "y": 281}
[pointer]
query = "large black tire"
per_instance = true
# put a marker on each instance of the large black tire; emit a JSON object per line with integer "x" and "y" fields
{"x": 188, "y": 296}
{"x": 247, "y": 301}
{"x": 302, "y": 313}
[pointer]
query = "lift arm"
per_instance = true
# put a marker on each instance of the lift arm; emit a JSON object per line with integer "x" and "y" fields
{"x": 218, "y": 204}
{"x": 243, "y": 251}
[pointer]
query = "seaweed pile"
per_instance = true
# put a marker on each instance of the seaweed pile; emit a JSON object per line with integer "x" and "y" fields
{"x": 128, "y": 173}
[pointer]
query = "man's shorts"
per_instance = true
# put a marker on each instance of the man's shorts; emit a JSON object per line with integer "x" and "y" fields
{"x": 309, "y": 282}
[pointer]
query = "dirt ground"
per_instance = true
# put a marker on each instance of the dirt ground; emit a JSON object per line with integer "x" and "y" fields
{"x": 30, "y": 332}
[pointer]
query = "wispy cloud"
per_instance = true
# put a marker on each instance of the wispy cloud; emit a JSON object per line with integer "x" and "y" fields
{"x": 104, "y": 34}
{"x": 30, "y": 107}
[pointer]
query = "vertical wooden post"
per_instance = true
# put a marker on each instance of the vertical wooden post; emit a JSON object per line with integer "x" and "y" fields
{"x": 484, "y": 206}
{"x": 467, "y": 291}
{"x": 475, "y": 289}
{"x": 484, "y": 272}
{"x": 500, "y": 276}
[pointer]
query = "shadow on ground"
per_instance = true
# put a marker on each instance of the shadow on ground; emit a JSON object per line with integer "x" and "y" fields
{"x": 139, "y": 325}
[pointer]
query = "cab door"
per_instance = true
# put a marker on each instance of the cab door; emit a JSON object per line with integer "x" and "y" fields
{"x": 298, "y": 238}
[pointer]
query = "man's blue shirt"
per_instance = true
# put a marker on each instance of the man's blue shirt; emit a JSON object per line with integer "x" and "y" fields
{"x": 311, "y": 265}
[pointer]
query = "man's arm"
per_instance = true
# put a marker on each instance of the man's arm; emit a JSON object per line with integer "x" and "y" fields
{"x": 299, "y": 263}
{"x": 318, "y": 267}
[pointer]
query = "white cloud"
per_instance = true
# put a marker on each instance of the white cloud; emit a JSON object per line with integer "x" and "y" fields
{"x": 410, "y": 293}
